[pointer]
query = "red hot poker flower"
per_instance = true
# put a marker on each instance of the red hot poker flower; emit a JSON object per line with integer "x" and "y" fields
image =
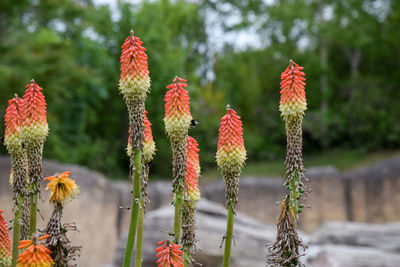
{"x": 5, "y": 243}
{"x": 192, "y": 168}
{"x": 231, "y": 153}
{"x": 134, "y": 78}
{"x": 293, "y": 96}
{"x": 12, "y": 118}
{"x": 169, "y": 254}
{"x": 33, "y": 113}
{"x": 177, "y": 109}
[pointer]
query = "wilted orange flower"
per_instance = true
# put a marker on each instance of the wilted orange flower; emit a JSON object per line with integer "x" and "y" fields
{"x": 169, "y": 254}
{"x": 5, "y": 242}
{"x": 61, "y": 187}
{"x": 293, "y": 96}
{"x": 231, "y": 153}
{"x": 35, "y": 255}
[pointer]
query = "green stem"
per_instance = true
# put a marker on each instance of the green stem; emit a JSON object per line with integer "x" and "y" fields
{"x": 33, "y": 214}
{"x": 186, "y": 257}
{"x": 16, "y": 233}
{"x": 139, "y": 242}
{"x": 293, "y": 198}
{"x": 178, "y": 215}
{"x": 228, "y": 237}
{"x": 134, "y": 209}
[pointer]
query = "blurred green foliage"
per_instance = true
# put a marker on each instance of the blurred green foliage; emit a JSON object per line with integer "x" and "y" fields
{"x": 350, "y": 50}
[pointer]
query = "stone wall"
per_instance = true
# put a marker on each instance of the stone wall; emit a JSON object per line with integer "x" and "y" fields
{"x": 369, "y": 194}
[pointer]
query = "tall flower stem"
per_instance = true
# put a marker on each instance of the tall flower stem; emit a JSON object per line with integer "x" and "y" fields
{"x": 139, "y": 242}
{"x": 134, "y": 84}
{"x": 16, "y": 233}
{"x": 33, "y": 216}
{"x": 228, "y": 237}
{"x": 134, "y": 209}
{"x": 186, "y": 256}
{"x": 231, "y": 156}
{"x": 178, "y": 215}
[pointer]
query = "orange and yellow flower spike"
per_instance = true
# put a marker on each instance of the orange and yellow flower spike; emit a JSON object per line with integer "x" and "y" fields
{"x": 34, "y": 119}
{"x": 134, "y": 80}
{"x": 192, "y": 168}
{"x": 5, "y": 242}
{"x": 177, "y": 110}
{"x": 293, "y": 96}
{"x": 169, "y": 254}
{"x": 61, "y": 187}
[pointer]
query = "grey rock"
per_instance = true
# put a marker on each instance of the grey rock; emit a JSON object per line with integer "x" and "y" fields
{"x": 348, "y": 256}
{"x": 251, "y": 236}
{"x": 385, "y": 237}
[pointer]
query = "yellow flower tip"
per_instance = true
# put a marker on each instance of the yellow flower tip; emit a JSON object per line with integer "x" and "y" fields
{"x": 61, "y": 187}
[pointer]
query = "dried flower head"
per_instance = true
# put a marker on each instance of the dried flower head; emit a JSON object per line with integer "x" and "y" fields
{"x": 192, "y": 168}
{"x": 288, "y": 247}
{"x": 61, "y": 187}
{"x": 5, "y": 243}
{"x": 134, "y": 80}
{"x": 169, "y": 254}
{"x": 293, "y": 96}
{"x": 149, "y": 146}
{"x": 177, "y": 109}
{"x": 35, "y": 255}
{"x": 33, "y": 113}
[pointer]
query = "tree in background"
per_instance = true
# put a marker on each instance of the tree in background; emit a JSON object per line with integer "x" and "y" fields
{"x": 350, "y": 49}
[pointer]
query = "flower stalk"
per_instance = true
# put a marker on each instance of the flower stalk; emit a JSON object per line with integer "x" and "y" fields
{"x": 190, "y": 200}
{"x": 231, "y": 156}
{"x": 177, "y": 122}
{"x": 149, "y": 149}
{"x": 286, "y": 251}
{"x": 34, "y": 132}
{"x": 62, "y": 189}
{"x": 133, "y": 85}
{"x": 18, "y": 181}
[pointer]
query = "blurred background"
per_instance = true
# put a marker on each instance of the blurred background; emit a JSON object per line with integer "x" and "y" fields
{"x": 231, "y": 51}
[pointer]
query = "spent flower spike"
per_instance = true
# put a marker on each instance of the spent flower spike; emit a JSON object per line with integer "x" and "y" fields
{"x": 33, "y": 113}
{"x": 177, "y": 109}
{"x": 61, "y": 187}
{"x": 5, "y": 242}
{"x": 134, "y": 78}
{"x": 293, "y": 96}
{"x": 169, "y": 254}
{"x": 35, "y": 255}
